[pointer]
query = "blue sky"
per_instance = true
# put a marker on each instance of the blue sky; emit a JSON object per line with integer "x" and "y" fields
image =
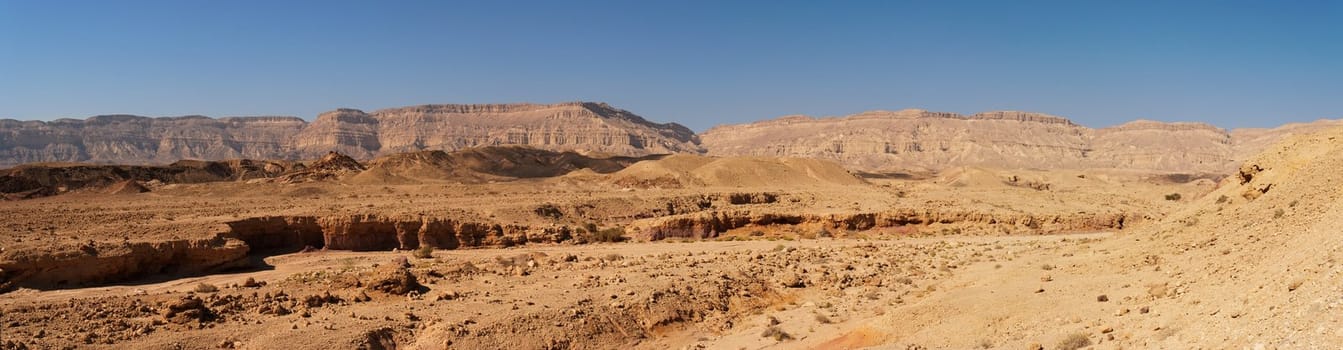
{"x": 700, "y": 63}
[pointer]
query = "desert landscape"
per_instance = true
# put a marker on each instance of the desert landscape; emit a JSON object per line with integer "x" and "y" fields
{"x": 584, "y": 226}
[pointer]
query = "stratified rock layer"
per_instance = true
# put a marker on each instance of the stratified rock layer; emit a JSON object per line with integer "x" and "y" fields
{"x": 126, "y": 139}
{"x": 921, "y": 140}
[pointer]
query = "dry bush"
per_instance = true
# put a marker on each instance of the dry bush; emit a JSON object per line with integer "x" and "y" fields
{"x": 205, "y": 288}
{"x": 1173, "y": 197}
{"x": 1074, "y": 341}
{"x": 425, "y": 252}
{"x": 776, "y": 333}
{"x": 613, "y": 234}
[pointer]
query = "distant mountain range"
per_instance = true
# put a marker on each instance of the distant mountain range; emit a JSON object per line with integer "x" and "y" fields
{"x": 918, "y": 140}
{"x": 877, "y": 141}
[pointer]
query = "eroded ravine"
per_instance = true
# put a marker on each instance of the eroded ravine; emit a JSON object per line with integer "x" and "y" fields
{"x": 236, "y": 243}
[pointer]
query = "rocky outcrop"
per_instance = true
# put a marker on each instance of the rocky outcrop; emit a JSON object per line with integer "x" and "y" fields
{"x": 711, "y": 224}
{"x": 332, "y": 166}
{"x": 107, "y": 262}
{"x": 369, "y": 232}
{"x": 30, "y": 181}
{"x": 127, "y": 139}
{"x": 487, "y": 163}
{"x": 918, "y": 140}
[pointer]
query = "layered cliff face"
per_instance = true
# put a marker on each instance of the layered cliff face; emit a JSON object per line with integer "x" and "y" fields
{"x": 577, "y": 126}
{"x": 877, "y": 141}
{"x": 920, "y": 140}
{"x": 124, "y": 139}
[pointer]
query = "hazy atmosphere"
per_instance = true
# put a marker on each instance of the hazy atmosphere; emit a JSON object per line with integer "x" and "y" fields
{"x": 699, "y": 63}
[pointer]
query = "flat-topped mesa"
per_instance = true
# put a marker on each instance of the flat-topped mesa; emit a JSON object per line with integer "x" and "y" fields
{"x": 919, "y": 140}
{"x": 1144, "y": 124}
{"x": 793, "y": 119}
{"x": 1022, "y": 117}
{"x": 571, "y": 126}
{"x": 474, "y": 108}
{"x": 129, "y": 139}
{"x": 911, "y": 113}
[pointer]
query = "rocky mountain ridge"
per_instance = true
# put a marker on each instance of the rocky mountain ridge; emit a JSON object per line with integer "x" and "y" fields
{"x": 126, "y": 139}
{"x": 919, "y": 140}
{"x": 909, "y": 140}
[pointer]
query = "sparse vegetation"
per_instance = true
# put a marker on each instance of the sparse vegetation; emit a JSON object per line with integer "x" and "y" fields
{"x": 425, "y": 252}
{"x": 1223, "y": 199}
{"x": 1046, "y": 267}
{"x": 205, "y": 288}
{"x": 610, "y": 234}
{"x": 1074, "y": 341}
{"x": 1173, "y": 197}
{"x": 776, "y": 333}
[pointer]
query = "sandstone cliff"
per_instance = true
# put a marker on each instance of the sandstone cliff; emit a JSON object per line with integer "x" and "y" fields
{"x": 918, "y": 140}
{"x": 126, "y": 139}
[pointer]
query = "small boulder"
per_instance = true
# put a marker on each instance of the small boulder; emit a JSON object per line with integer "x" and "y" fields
{"x": 393, "y": 279}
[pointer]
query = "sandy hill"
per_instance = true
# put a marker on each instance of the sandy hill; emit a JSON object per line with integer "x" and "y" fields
{"x": 918, "y": 140}
{"x": 692, "y": 170}
{"x": 1255, "y": 264}
{"x": 129, "y": 139}
{"x": 484, "y": 164}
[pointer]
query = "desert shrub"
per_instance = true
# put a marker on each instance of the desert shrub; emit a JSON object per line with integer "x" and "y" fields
{"x": 1222, "y": 199}
{"x": 1046, "y": 267}
{"x": 1173, "y": 197}
{"x": 757, "y": 233}
{"x": 205, "y": 288}
{"x": 776, "y": 333}
{"x": 549, "y": 211}
{"x": 612, "y": 234}
{"x": 1074, "y": 341}
{"x": 823, "y": 319}
{"x": 425, "y": 252}
{"x": 591, "y": 227}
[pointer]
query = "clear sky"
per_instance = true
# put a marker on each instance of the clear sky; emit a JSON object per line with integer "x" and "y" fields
{"x": 700, "y": 63}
